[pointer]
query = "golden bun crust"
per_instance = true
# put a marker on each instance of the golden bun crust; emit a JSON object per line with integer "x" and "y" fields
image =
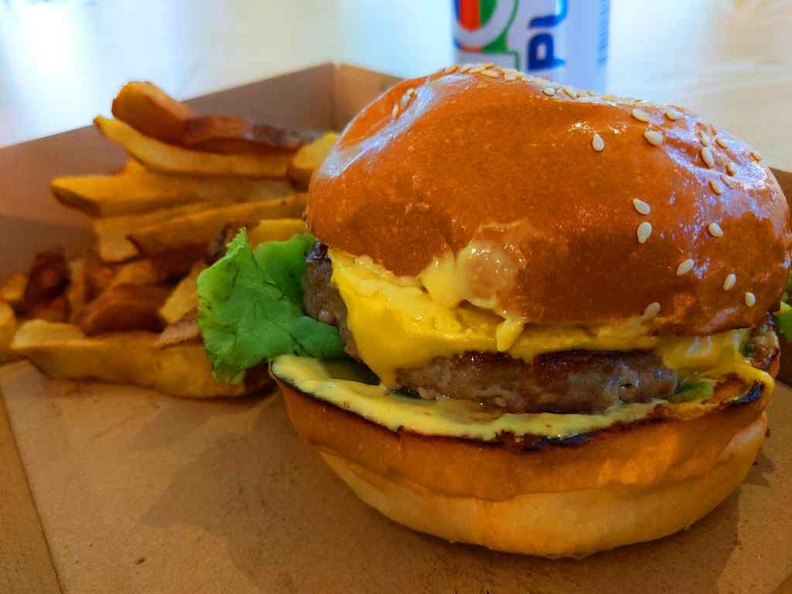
{"x": 625, "y": 485}
{"x": 570, "y": 523}
{"x": 475, "y": 157}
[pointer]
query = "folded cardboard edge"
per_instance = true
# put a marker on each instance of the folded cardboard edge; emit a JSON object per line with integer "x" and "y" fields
{"x": 26, "y": 564}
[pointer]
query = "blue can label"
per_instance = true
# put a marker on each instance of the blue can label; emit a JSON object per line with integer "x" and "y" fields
{"x": 563, "y": 40}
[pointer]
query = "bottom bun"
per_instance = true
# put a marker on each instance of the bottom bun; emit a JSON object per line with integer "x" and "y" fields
{"x": 574, "y": 515}
{"x": 573, "y": 523}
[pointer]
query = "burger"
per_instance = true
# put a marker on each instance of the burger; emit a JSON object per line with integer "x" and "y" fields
{"x": 527, "y": 317}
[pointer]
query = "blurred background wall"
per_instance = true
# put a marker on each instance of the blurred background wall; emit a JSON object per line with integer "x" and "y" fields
{"x": 62, "y": 61}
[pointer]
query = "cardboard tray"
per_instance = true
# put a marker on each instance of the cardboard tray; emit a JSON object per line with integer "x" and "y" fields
{"x": 119, "y": 489}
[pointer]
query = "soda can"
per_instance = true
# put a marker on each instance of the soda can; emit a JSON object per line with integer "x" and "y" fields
{"x": 562, "y": 40}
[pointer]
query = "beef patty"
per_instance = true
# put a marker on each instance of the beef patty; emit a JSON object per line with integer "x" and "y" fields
{"x": 569, "y": 381}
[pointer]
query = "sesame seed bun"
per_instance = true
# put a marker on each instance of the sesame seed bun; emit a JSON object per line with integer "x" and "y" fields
{"x": 624, "y": 485}
{"x": 607, "y": 206}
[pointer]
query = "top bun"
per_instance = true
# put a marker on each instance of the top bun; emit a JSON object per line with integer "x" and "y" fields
{"x": 550, "y": 176}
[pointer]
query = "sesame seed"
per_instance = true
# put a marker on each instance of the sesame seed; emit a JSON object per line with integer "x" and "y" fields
{"x": 708, "y": 157}
{"x": 653, "y": 137}
{"x": 488, "y": 65}
{"x": 673, "y": 115}
{"x": 451, "y": 69}
{"x": 715, "y": 230}
{"x": 522, "y": 76}
{"x": 643, "y": 232}
{"x": 705, "y": 139}
{"x": 727, "y": 180}
{"x": 731, "y": 280}
{"x": 640, "y": 115}
{"x": 641, "y": 206}
{"x": 720, "y": 142}
{"x": 410, "y": 148}
{"x": 731, "y": 168}
{"x": 477, "y": 69}
{"x": 651, "y": 310}
{"x": 716, "y": 186}
{"x": 685, "y": 267}
{"x": 549, "y": 91}
{"x": 756, "y": 156}
{"x": 597, "y": 143}
{"x": 465, "y": 67}
{"x": 572, "y": 93}
{"x": 395, "y": 111}
{"x": 750, "y": 299}
{"x": 490, "y": 73}
{"x": 509, "y": 77}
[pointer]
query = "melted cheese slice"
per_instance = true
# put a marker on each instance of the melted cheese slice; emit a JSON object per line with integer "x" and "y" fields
{"x": 397, "y": 324}
{"x": 335, "y": 382}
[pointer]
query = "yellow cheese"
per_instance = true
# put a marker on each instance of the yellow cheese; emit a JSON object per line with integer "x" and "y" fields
{"x": 398, "y": 323}
{"x": 330, "y": 381}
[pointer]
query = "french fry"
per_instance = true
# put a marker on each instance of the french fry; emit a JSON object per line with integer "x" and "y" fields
{"x": 275, "y": 230}
{"x": 308, "y": 158}
{"x": 200, "y": 229}
{"x": 167, "y": 158}
{"x": 45, "y": 291}
{"x": 184, "y": 298}
{"x": 124, "y": 308}
{"x": 77, "y": 293}
{"x": 181, "y": 331}
{"x": 12, "y": 290}
{"x": 8, "y": 326}
{"x": 99, "y": 276}
{"x": 63, "y": 351}
{"x": 137, "y": 193}
{"x": 111, "y": 232}
{"x": 131, "y": 166}
{"x": 148, "y": 109}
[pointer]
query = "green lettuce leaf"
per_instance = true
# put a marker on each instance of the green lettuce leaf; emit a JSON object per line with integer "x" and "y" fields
{"x": 784, "y": 319}
{"x": 250, "y": 308}
{"x": 693, "y": 390}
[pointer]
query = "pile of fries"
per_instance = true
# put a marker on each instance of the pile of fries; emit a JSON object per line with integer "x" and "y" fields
{"x": 126, "y": 312}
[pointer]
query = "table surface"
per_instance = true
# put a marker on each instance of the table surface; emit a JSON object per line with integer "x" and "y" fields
{"x": 62, "y": 61}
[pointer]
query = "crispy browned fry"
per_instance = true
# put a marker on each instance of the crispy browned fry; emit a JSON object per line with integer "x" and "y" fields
{"x": 8, "y": 326}
{"x": 148, "y": 109}
{"x": 111, "y": 232}
{"x": 275, "y": 230}
{"x": 124, "y": 308}
{"x": 181, "y": 331}
{"x": 62, "y": 350}
{"x": 77, "y": 293}
{"x": 168, "y": 158}
{"x": 184, "y": 298}
{"x": 98, "y": 276}
{"x": 45, "y": 290}
{"x": 308, "y": 158}
{"x": 55, "y": 310}
{"x": 12, "y": 290}
{"x": 142, "y": 192}
{"x": 48, "y": 278}
{"x": 200, "y": 229}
